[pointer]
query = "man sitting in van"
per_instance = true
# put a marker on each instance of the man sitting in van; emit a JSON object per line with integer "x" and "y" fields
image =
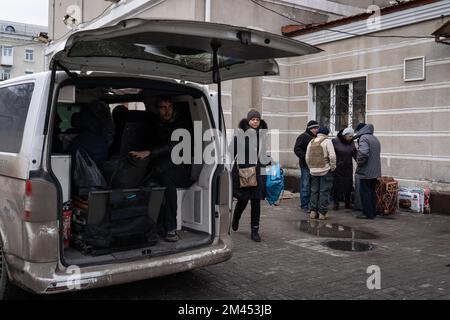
{"x": 169, "y": 175}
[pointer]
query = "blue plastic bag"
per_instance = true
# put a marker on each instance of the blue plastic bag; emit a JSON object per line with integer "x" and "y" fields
{"x": 274, "y": 183}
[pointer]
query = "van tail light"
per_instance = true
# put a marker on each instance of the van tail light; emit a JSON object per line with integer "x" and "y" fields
{"x": 40, "y": 201}
{"x": 28, "y": 200}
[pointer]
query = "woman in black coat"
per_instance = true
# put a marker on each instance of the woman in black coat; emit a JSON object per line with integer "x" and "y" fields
{"x": 250, "y": 159}
{"x": 343, "y": 175}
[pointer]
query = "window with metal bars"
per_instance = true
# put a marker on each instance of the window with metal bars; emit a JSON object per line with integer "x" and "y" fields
{"x": 5, "y": 74}
{"x": 340, "y": 104}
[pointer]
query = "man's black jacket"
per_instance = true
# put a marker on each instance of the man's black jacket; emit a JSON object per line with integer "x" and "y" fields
{"x": 301, "y": 144}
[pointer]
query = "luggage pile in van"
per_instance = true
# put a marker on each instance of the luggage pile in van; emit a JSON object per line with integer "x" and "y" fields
{"x": 115, "y": 220}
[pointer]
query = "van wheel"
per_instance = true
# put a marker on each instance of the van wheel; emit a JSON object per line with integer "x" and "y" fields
{"x": 7, "y": 289}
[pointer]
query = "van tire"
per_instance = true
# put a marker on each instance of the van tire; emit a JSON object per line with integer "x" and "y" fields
{"x": 7, "y": 289}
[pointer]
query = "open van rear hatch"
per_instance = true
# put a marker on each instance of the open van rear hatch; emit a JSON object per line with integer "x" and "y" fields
{"x": 178, "y": 49}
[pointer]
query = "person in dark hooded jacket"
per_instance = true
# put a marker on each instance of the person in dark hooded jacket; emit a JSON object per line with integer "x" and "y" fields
{"x": 248, "y": 153}
{"x": 301, "y": 144}
{"x": 343, "y": 175}
{"x": 368, "y": 169}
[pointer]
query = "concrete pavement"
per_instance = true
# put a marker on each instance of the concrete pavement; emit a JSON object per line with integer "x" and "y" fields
{"x": 412, "y": 252}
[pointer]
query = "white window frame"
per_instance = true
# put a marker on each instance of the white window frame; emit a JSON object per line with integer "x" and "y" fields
{"x": 3, "y": 73}
{"x": 26, "y": 54}
{"x": 10, "y": 49}
{"x": 312, "y": 107}
{"x": 423, "y": 68}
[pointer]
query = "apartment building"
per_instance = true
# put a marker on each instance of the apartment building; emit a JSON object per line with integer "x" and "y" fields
{"x": 21, "y": 52}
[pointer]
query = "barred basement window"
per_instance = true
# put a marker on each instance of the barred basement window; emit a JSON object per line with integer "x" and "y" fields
{"x": 340, "y": 104}
{"x": 5, "y": 74}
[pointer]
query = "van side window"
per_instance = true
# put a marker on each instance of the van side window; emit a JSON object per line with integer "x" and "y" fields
{"x": 66, "y": 111}
{"x": 67, "y": 132}
{"x": 14, "y": 104}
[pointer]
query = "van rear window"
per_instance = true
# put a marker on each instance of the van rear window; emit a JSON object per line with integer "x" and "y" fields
{"x": 185, "y": 57}
{"x": 14, "y": 104}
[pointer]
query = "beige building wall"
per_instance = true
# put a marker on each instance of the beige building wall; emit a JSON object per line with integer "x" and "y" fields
{"x": 410, "y": 118}
{"x": 236, "y": 12}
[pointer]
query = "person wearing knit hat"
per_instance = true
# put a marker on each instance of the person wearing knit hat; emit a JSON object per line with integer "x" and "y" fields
{"x": 312, "y": 124}
{"x": 301, "y": 144}
{"x": 343, "y": 175}
{"x": 254, "y": 119}
{"x": 243, "y": 194}
{"x": 321, "y": 160}
{"x": 253, "y": 114}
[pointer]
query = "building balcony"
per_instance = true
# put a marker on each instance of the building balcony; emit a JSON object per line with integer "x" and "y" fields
{"x": 6, "y": 60}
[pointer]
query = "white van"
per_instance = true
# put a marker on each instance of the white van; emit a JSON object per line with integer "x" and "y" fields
{"x": 130, "y": 63}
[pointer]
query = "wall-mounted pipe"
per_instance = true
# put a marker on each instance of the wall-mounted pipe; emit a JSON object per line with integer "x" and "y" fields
{"x": 207, "y": 10}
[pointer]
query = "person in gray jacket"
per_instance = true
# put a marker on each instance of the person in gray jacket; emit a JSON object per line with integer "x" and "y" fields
{"x": 368, "y": 168}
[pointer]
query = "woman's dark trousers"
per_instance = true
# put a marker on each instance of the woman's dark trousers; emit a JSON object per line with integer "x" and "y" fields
{"x": 255, "y": 211}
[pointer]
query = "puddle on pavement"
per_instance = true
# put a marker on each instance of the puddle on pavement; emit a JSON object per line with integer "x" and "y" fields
{"x": 333, "y": 230}
{"x": 348, "y": 245}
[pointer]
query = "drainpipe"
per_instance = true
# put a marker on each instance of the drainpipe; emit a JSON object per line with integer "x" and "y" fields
{"x": 207, "y": 10}
{"x": 53, "y": 18}
{"x": 82, "y": 11}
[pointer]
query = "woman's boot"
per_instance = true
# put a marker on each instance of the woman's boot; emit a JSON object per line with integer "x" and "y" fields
{"x": 255, "y": 235}
{"x": 235, "y": 224}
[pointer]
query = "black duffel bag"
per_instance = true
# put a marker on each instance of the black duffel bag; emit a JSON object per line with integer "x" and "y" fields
{"x": 128, "y": 217}
{"x": 126, "y": 172}
{"x": 126, "y": 224}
